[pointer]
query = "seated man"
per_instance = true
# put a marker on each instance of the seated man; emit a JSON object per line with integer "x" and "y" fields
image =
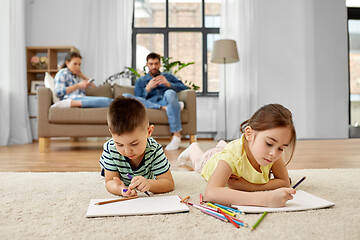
{"x": 158, "y": 90}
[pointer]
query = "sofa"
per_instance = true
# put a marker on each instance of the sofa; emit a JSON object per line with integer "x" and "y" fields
{"x": 91, "y": 122}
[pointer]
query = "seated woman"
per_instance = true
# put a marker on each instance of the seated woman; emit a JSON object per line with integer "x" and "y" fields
{"x": 70, "y": 84}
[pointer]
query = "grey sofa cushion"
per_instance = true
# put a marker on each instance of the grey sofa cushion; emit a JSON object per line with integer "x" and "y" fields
{"x": 119, "y": 90}
{"x": 78, "y": 115}
{"x": 159, "y": 116}
{"x": 98, "y": 115}
{"x": 99, "y": 91}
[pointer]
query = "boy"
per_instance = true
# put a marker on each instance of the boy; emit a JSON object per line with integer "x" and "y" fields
{"x": 132, "y": 151}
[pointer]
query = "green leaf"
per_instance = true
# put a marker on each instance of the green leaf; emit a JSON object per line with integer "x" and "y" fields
{"x": 133, "y": 71}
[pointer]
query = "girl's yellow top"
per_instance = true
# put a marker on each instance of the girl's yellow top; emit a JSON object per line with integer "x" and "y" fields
{"x": 234, "y": 154}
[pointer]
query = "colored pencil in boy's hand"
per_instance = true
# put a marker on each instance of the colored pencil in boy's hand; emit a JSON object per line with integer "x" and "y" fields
{"x": 129, "y": 176}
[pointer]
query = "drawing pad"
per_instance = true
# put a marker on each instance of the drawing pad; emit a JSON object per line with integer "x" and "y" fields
{"x": 302, "y": 201}
{"x": 137, "y": 206}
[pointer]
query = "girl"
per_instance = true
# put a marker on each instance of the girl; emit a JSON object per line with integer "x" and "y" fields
{"x": 245, "y": 164}
{"x": 71, "y": 89}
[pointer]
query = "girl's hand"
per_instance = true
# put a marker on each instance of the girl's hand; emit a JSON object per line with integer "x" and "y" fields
{"x": 141, "y": 183}
{"x": 238, "y": 184}
{"x": 83, "y": 84}
{"x": 234, "y": 177}
{"x": 120, "y": 184}
{"x": 279, "y": 197}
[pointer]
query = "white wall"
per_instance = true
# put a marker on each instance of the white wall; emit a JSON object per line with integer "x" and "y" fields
{"x": 56, "y": 23}
{"x": 206, "y": 116}
{"x": 52, "y": 22}
{"x": 302, "y": 62}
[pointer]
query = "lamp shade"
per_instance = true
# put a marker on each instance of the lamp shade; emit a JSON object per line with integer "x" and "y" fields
{"x": 224, "y": 51}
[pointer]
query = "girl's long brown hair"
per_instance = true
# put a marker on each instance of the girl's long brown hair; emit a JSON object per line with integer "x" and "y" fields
{"x": 70, "y": 56}
{"x": 273, "y": 116}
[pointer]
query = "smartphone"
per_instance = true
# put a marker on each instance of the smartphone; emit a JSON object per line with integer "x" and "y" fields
{"x": 91, "y": 80}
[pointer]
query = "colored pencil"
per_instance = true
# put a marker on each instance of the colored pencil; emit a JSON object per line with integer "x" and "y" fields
{"x": 201, "y": 198}
{"x": 228, "y": 208}
{"x": 297, "y": 184}
{"x": 129, "y": 176}
{"x": 228, "y": 217}
{"x": 201, "y": 207}
{"x": 239, "y": 222}
{"x": 214, "y": 206}
{"x": 235, "y": 220}
{"x": 222, "y": 218}
{"x": 116, "y": 200}
{"x": 184, "y": 199}
{"x": 258, "y": 221}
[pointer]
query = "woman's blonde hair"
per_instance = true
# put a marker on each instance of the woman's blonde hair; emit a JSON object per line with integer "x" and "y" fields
{"x": 273, "y": 116}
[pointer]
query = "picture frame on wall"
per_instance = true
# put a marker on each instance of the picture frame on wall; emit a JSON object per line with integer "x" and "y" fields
{"x": 35, "y": 85}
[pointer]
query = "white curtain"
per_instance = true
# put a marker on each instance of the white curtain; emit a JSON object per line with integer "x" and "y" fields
{"x": 237, "y": 23}
{"x": 14, "y": 116}
{"x": 106, "y": 37}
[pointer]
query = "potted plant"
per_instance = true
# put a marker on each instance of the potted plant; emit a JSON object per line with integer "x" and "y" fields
{"x": 168, "y": 66}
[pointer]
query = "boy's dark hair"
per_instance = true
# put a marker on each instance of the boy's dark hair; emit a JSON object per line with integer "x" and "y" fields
{"x": 125, "y": 115}
{"x": 70, "y": 56}
{"x": 153, "y": 56}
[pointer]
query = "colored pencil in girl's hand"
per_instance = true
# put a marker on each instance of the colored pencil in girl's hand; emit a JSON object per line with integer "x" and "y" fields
{"x": 300, "y": 181}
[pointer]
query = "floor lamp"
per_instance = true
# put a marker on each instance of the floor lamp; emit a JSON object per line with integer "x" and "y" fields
{"x": 225, "y": 51}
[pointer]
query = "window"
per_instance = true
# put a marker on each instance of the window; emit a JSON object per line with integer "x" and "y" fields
{"x": 354, "y": 69}
{"x": 183, "y": 30}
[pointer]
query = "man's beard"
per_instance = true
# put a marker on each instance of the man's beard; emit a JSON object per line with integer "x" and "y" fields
{"x": 155, "y": 72}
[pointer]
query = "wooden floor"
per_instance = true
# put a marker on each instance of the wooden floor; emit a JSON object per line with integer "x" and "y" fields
{"x": 67, "y": 156}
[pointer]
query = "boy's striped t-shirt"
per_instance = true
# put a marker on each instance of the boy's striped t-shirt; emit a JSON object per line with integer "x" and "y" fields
{"x": 153, "y": 164}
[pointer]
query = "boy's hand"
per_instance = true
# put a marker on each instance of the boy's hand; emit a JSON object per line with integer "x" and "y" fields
{"x": 141, "y": 183}
{"x": 120, "y": 184}
{"x": 279, "y": 197}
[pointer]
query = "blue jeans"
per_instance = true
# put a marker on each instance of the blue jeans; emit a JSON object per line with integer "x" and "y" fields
{"x": 171, "y": 102}
{"x": 94, "y": 102}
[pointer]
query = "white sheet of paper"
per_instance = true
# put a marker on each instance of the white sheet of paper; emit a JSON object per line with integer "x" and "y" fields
{"x": 137, "y": 206}
{"x": 302, "y": 201}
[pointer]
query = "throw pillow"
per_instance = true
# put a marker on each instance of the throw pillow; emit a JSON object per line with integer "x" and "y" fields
{"x": 50, "y": 83}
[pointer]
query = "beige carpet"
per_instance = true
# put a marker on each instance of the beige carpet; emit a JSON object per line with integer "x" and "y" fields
{"x": 53, "y": 206}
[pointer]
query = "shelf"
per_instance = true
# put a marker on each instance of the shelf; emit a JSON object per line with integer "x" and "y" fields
{"x": 37, "y": 70}
{"x": 54, "y": 57}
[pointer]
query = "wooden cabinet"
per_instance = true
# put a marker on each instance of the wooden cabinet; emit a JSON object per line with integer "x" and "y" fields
{"x": 39, "y": 60}
{"x": 43, "y": 59}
